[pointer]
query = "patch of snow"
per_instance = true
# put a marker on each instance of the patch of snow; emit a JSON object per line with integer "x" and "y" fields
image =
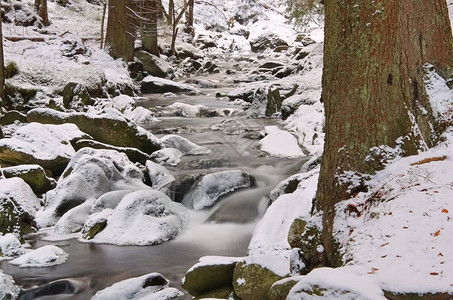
{"x": 45, "y": 256}
{"x": 184, "y": 145}
{"x": 167, "y": 156}
{"x": 15, "y": 188}
{"x": 10, "y": 246}
{"x": 8, "y": 287}
{"x": 281, "y": 143}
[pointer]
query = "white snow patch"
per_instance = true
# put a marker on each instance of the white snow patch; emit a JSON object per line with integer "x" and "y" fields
{"x": 45, "y": 256}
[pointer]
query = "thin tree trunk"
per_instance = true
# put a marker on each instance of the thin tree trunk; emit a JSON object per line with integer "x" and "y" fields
{"x": 374, "y": 92}
{"x": 104, "y": 11}
{"x": 120, "y": 37}
{"x": 2, "y": 65}
{"x": 171, "y": 12}
{"x": 41, "y": 9}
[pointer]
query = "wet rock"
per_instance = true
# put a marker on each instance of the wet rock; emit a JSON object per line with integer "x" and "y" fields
{"x": 133, "y": 154}
{"x": 271, "y": 65}
{"x": 1, "y": 133}
{"x": 18, "y": 206}
{"x": 11, "y": 116}
{"x": 167, "y": 156}
{"x": 199, "y": 164}
{"x": 174, "y": 130}
{"x": 151, "y": 84}
{"x": 55, "y": 288}
{"x": 46, "y": 145}
{"x": 184, "y": 145}
{"x": 229, "y": 127}
{"x": 33, "y": 175}
{"x": 253, "y": 278}
{"x": 265, "y": 41}
{"x": 152, "y": 64}
{"x": 109, "y": 127}
{"x": 182, "y": 184}
{"x": 158, "y": 175}
{"x": 210, "y": 67}
{"x": 280, "y": 289}
{"x": 95, "y": 224}
{"x": 76, "y": 96}
{"x": 210, "y": 274}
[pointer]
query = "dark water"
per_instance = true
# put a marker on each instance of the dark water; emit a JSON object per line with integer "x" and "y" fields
{"x": 224, "y": 230}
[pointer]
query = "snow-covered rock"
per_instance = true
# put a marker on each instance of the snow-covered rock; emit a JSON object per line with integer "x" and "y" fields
{"x": 151, "y": 286}
{"x": 212, "y": 186}
{"x": 184, "y": 145}
{"x": 151, "y": 84}
{"x": 167, "y": 156}
{"x": 158, "y": 175}
{"x": 45, "y": 256}
{"x": 126, "y": 105}
{"x": 34, "y": 175}
{"x": 281, "y": 143}
{"x": 143, "y": 217}
{"x": 8, "y": 287}
{"x": 229, "y": 126}
{"x": 46, "y": 145}
{"x": 18, "y": 206}
{"x": 186, "y": 110}
{"x": 10, "y": 246}
{"x": 89, "y": 174}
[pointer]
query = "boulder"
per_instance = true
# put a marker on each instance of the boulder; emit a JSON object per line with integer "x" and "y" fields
{"x": 76, "y": 96}
{"x": 167, "y": 156}
{"x": 143, "y": 217}
{"x": 184, "y": 145}
{"x": 73, "y": 46}
{"x": 205, "y": 41}
{"x": 110, "y": 127}
{"x": 253, "y": 277}
{"x": 267, "y": 40}
{"x": 8, "y": 288}
{"x": 33, "y": 175}
{"x": 152, "y": 64}
{"x": 181, "y": 186}
{"x": 211, "y": 187}
{"x": 46, "y": 145}
{"x": 229, "y": 127}
{"x": 90, "y": 174}
{"x": 74, "y": 219}
{"x": 95, "y": 224}
{"x": 158, "y": 175}
{"x": 280, "y": 289}
{"x": 211, "y": 273}
{"x": 126, "y": 105}
{"x": 133, "y": 154}
{"x": 9, "y": 117}
{"x": 44, "y": 256}
{"x": 153, "y": 85}
{"x": 18, "y": 206}
{"x": 10, "y": 246}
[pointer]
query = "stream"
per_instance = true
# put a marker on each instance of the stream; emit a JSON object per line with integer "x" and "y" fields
{"x": 224, "y": 229}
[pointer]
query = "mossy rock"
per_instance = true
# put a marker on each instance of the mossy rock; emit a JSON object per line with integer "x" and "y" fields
{"x": 153, "y": 64}
{"x": 109, "y": 129}
{"x": 19, "y": 95}
{"x": 252, "y": 281}
{"x": 416, "y": 296}
{"x": 222, "y": 293}
{"x": 33, "y": 175}
{"x": 205, "y": 278}
{"x": 89, "y": 232}
{"x": 76, "y": 95}
{"x": 133, "y": 154}
{"x": 280, "y": 289}
{"x": 11, "y": 69}
{"x": 11, "y": 116}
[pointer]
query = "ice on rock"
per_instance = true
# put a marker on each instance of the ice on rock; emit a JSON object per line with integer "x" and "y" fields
{"x": 184, "y": 145}
{"x": 159, "y": 175}
{"x": 10, "y": 246}
{"x": 45, "y": 256}
{"x": 143, "y": 217}
{"x": 167, "y": 156}
{"x": 212, "y": 186}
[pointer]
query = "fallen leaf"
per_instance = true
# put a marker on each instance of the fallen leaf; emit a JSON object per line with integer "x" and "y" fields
{"x": 437, "y": 233}
{"x": 433, "y": 273}
{"x": 440, "y": 254}
{"x": 405, "y": 227}
{"x": 384, "y": 244}
{"x": 445, "y": 211}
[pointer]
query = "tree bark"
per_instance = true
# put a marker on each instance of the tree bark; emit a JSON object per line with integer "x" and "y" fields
{"x": 2, "y": 66}
{"x": 120, "y": 36}
{"x": 149, "y": 28}
{"x": 41, "y": 9}
{"x": 373, "y": 90}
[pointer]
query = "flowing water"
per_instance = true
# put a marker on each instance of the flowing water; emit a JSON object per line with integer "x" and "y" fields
{"x": 224, "y": 229}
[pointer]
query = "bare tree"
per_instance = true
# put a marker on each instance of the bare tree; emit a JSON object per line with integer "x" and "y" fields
{"x": 41, "y": 8}
{"x": 120, "y": 37}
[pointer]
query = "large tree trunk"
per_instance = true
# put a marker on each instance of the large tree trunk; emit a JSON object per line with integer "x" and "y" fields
{"x": 119, "y": 40}
{"x": 189, "y": 18}
{"x": 41, "y": 9}
{"x": 373, "y": 90}
{"x": 149, "y": 28}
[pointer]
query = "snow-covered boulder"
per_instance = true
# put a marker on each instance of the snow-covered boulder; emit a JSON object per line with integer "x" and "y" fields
{"x": 184, "y": 145}
{"x": 18, "y": 206}
{"x": 126, "y": 105}
{"x": 152, "y": 64}
{"x": 254, "y": 276}
{"x": 158, "y": 175}
{"x": 46, "y": 145}
{"x": 45, "y": 256}
{"x": 267, "y": 40}
{"x": 207, "y": 192}
{"x": 74, "y": 219}
{"x": 280, "y": 143}
{"x": 144, "y": 217}
{"x": 110, "y": 127}
{"x": 229, "y": 126}
{"x": 209, "y": 274}
{"x": 328, "y": 283}
{"x": 90, "y": 174}
{"x": 167, "y": 156}
{"x": 151, "y": 84}
{"x": 8, "y": 288}
{"x": 151, "y": 286}
{"x": 33, "y": 175}
{"x": 10, "y": 246}
{"x": 189, "y": 111}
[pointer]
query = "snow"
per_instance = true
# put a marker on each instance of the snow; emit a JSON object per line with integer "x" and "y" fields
{"x": 139, "y": 288}
{"x": 184, "y": 145}
{"x": 440, "y": 95}
{"x": 159, "y": 175}
{"x": 281, "y": 143}
{"x": 45, "y": 256}
{"x": 20, "y": 192}
{"x": 167, "y": 156}
{"x": 8, "y": 287}
{"x": 276, "y": 264}
{"x": 10, "y": 246}
{"x": 186, "y": 110}
{"x": 215, "y": 261}
{"x": 162, "y": 82}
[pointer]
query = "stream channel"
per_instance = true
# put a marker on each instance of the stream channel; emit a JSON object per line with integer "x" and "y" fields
{"x": 224, "y": 229}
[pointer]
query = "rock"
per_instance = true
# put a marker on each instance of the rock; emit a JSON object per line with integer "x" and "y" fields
{"x": 158, "y": 175}
{"x": 280, "y": 289}
{"x": 184, "y": 145}
{"x": 286, "y": 71}
{"x": 8, "y": 288}
{"x": 151, "y": 84}
{"x": 74, "y": 219}
{"x": 205, "y": 164}
{"x": 33, "y": 175}
{"x": 1, "y": 133}
{"x": 95, "y": 224}
{"x": 21, "y": 15}
{"x": 328, "y": 283}
{"x": 253, "y": 277}
{"x": 205, "y": 41}
{"x": 46, "y": 145}
{"x": 18, "y": 206}
{"x": 211, "y": 273}
{"x": 73, "y": 46}
{"x": 109, "y": 127}
{"x": 110, "y": 200}
{"x": 174, "y": 130}
{"x": 143, "y": 217}
{"x": 182, "y": 184}
{"x": 19, "y": 95}
{"x": 151, "y": 286}
{"x": 11, "y": 116}
{"x": 222, "y": 293}
{"x": 90, "y": 174}
{"x": 53, "y": 289}
{"x": 271, "y": 65}
{"x": 229, "y": 127}
{"x": 267, "y": 40}
{"x": 10, "y": 246}
{"x": 212, "y": 186}
{"x": 240, "y": 30}
{"x": 281, "y": 48}
{"x": 152, "y": 64}
{"x": 210, "y": 67}
{"x": 126, "y": 105}
{"x": 417, "y": 296}
{"x": 133, "y": 154}
{"x": 167, "y": 156}
{"x": 76, "y": 96}
{"x": 44, "y": 256}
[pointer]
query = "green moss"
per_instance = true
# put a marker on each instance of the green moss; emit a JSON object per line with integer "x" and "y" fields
{"x": 11, "y": 69}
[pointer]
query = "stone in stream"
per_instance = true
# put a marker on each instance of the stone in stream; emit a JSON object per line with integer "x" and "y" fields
{"x": 154, "y": 65}
{"x": 229, "y": 127}
{"x": 151, "y": 84}
{"x": 184, "y": 145}
{"x": 34, "y": 175}
{"x": 265, "y": 41}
